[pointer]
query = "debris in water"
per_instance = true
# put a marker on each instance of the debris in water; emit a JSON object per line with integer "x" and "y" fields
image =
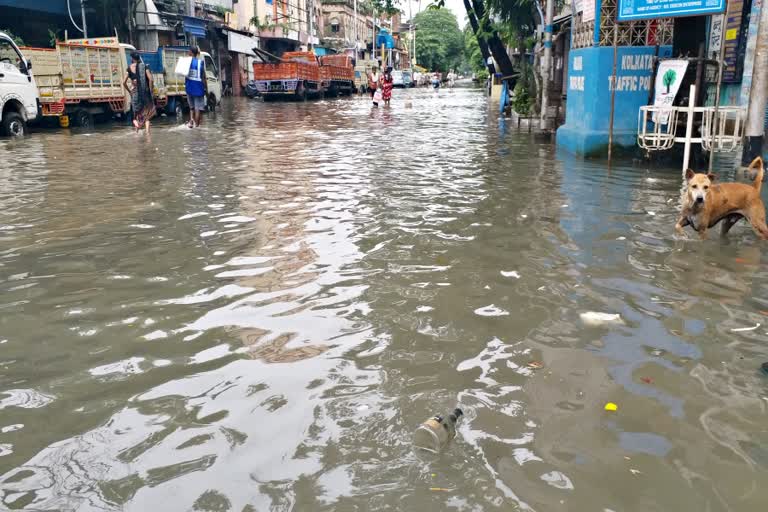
{"x": 595, "y": 318}
{"x": 635, "y": 471}
{"x": 442, "y": 489}
{"x": 647, "y": 380}
{"x": 740, "y": 260}
{"x": 610, "y": 406}
{"x": 652, "y": 214}
{"x": 537, "y": 365}
{"x": 745, "y": 329}
{"x": 511, "y": 273}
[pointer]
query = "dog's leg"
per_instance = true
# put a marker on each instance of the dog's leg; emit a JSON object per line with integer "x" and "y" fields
{"x": 681, "y": 223}
{"x": 728, "y": 223}
{"x": 756, "y": 217}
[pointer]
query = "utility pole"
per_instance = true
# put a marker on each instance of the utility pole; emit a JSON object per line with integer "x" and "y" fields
{"x": 758, "y": 96}
{"x": 190, "y": 12}
{"x": 357, "y": 49}
{"x": 546, "y": 64}
{"x": 82, "y": 14}
{"x": 311, "y": 7}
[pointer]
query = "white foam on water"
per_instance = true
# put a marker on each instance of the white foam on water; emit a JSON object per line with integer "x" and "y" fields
{"x": 511, "y": 273}
{"x": 193, "y": 215}
{"x": 491, "y": 310}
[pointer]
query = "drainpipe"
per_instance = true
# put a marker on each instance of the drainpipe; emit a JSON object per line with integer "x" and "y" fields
{"x": 758, "y": 97}
{"x": 546, "y": 65}
{"x": 82, "y": 13}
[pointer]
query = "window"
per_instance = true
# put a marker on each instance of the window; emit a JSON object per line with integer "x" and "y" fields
{"x": 9, "y": 55}
{"x": 335, "y": 27}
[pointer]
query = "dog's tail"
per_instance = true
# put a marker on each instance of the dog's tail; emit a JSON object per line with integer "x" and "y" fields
{"x": 757, "y": 165}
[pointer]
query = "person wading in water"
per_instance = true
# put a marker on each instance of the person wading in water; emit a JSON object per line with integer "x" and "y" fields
{"x": 197, "y": 87}
{"x": 140, "y": 89}
{"x": 373, "y": 81}
{"x": 387, "y": 84}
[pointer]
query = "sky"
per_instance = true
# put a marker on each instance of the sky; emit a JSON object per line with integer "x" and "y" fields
{"x": 456, "y": 6}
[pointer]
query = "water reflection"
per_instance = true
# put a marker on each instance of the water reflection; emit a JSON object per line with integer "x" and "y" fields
{"x": 255, "y": 316}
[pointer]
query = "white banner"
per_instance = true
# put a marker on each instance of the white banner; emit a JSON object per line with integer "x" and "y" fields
{"x": 239, "y": 43}
{"x": 589, "y": 10}
{"x": 669, "y": 76}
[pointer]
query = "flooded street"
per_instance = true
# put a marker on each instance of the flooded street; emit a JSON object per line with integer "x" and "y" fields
{"x": 256, "y": 315}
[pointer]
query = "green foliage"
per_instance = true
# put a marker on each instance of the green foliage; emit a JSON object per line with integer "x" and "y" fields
{"x": 16, "y": 39}
{"x": 388, "y": 7}
{"x": 669, "y": 78}
{"x": 521, "y": 100}
{"x": 439, "y": 42}
{"x": 473, "y": 55}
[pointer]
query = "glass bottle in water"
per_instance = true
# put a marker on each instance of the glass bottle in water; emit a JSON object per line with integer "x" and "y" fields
{"x": 434, "y": 434}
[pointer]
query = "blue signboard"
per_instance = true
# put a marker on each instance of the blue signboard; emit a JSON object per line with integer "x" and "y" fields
{"x": 646, "y": 9}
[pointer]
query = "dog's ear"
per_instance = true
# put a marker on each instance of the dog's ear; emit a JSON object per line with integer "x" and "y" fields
{"x": 757, "y": 163}
{"x": 689, "y": 174}
{"x": 712, "y": 177}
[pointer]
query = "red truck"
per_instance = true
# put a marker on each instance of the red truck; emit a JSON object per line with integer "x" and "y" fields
{"x": 338, "y": 74}
{"x": 296, "y": 74}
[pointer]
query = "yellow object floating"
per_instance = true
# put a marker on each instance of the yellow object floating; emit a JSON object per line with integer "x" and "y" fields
{"x": 610, "y": 406}
{"x": 64, "y": 121}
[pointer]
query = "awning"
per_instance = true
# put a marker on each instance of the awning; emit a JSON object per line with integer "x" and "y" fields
{"x": 240, "y": 43}
{"x": 194, "y": 26}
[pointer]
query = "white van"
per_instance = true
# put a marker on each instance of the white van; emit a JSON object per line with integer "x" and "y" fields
{"x": 19, "y": 97}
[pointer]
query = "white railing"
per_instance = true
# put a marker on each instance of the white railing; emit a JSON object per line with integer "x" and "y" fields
{"x": 722, "y": 128}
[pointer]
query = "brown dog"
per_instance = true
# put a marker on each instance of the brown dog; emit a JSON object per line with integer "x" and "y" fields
{"x": 705, "y": 204}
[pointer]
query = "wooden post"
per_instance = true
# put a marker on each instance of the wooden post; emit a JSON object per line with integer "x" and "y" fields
{"x": 721, "y": 65}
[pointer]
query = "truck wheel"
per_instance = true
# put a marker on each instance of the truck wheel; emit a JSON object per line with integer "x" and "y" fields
{"x": 13, "y": 125}
{"x": 83, "y": 119}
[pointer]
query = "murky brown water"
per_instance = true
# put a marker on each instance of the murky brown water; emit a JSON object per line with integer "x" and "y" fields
{"x": 255, "y": 316}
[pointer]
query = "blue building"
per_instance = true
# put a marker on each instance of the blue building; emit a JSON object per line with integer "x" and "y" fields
{"x": 589, "y": 81}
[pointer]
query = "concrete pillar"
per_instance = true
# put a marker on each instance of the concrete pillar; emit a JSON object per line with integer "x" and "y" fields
{"x": 755, "y": 129}
{"x": 546, "y": 65}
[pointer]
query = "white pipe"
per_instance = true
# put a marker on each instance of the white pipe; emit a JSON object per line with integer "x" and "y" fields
{"x": 689, "y": 128}
{"x": 69, "y": 10}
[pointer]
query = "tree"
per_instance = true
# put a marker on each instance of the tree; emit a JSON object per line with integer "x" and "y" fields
{"x": 474, "y": 55}
{"x": 440, "y": 43}
{"x": 669, "y": 78}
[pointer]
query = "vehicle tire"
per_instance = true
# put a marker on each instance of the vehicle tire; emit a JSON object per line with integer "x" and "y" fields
{"x": 83, "y": 119}
{"x": 178, "y": 111}
{"x": 13, "y": 125}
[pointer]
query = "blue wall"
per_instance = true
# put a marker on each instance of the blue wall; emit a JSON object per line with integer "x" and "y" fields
{"x": 588, "y": 108}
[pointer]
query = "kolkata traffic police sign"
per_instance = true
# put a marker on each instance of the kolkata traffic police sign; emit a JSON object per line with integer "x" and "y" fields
{"x": 646, "y": 9}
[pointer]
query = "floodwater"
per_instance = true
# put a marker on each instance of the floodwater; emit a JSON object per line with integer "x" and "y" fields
{"x": 255, "y": 316}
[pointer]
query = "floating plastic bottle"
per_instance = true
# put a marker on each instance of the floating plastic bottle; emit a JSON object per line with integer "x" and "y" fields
{"x": 434, "y": 434}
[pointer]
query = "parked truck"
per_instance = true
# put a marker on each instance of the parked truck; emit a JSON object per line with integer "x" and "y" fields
{"x": 162, "y": 65}
{"x": 19, "y": 99}
{"x": 337, "y": 74}
{"x": 81, "y": 79}
{"x": 296, "y": 74}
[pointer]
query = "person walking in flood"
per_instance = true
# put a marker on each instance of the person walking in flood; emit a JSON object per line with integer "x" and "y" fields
{"x": 197, "y": 87}
{"x": 139, "y": 85}
{"x": 373, "y": 81}
{"x": 387, "y": 84}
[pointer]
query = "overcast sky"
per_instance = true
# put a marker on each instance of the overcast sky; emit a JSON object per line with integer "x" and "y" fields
{"x": 456, "y": 6}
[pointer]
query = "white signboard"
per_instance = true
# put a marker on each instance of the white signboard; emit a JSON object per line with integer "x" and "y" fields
{"x": 578, "y": 6}
{"x": 589, "y": 10}
{"x": 239, "y": 43}
{"x": 715, "y": 42}
{"x": 669, "y": 76}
